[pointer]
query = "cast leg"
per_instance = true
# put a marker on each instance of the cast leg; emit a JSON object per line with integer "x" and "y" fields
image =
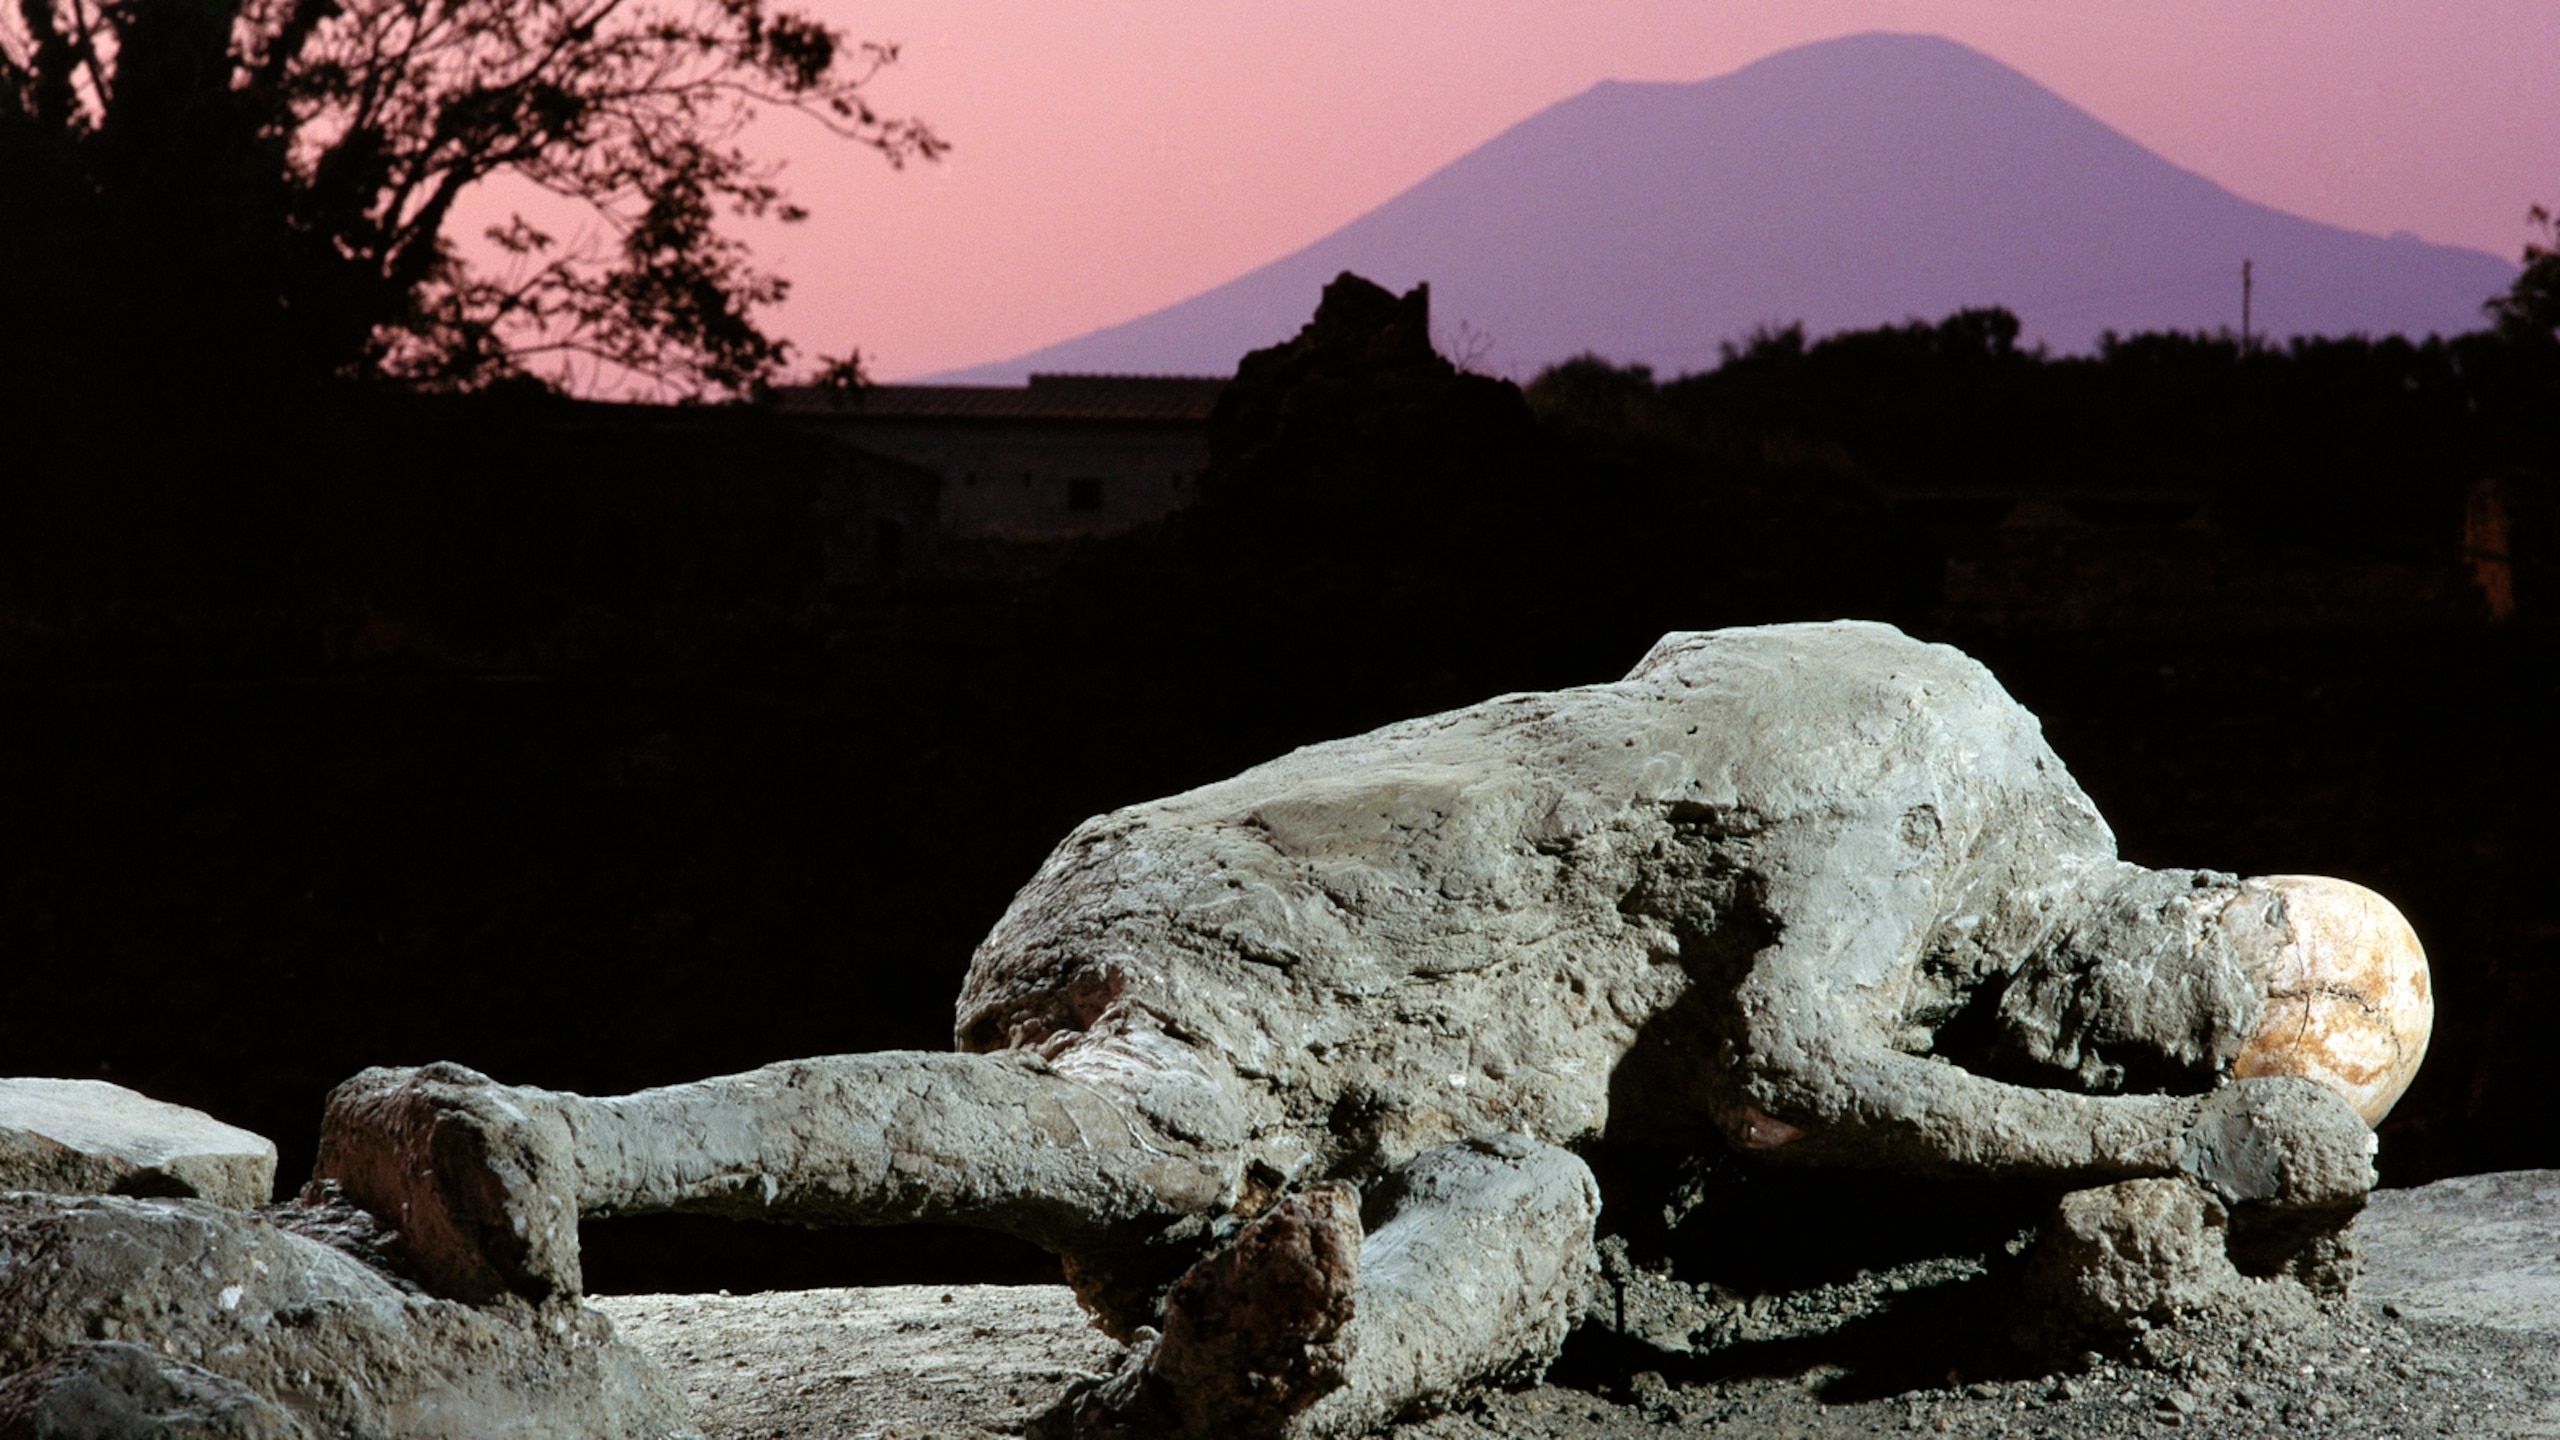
{"x": 1481, "y": 1266}
{"x": 486, "y": 1182}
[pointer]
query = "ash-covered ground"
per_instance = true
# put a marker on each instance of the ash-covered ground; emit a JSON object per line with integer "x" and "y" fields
{"x": 2358, "y": 1371}
{"x": 2454, "y": 1331}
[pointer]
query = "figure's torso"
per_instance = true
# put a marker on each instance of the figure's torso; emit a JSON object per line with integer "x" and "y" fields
{"x": 1464, "y": 924}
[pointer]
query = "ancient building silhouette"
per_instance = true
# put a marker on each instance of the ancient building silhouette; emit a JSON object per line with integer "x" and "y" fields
{"x": 987, "y": 481}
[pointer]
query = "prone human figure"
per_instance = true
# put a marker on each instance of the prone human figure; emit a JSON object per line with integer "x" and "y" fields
{"x": 1290, "y": 1069}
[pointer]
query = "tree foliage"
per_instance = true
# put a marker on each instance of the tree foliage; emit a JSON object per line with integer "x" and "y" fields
{"x": 2355, "y": 446}
{"x": 201, "y": 185}
{"x": 2530, "y": 310}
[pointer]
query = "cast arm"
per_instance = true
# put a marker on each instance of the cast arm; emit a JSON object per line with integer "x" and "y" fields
{"x": 1812, "y": 1078}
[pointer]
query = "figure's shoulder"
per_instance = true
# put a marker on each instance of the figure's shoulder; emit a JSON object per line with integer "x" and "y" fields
{"x": 1773, "y": 717}
{"x": 1797, "y": 654}
{"x": 1838, "y": 668}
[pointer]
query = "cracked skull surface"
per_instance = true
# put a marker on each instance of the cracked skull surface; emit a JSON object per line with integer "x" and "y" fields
{"x": 2349, "y": 1003}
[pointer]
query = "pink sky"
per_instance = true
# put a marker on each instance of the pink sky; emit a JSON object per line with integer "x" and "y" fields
{"x": 1112, "y": 158}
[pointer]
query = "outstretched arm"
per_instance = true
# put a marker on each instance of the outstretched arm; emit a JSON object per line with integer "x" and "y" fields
{"x": 2117, "y": 978}
{"x": 1843, "y": 1098}
{"x": 1813, "y": 1079}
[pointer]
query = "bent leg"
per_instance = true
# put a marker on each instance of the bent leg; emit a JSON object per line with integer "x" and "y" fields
{"x": 1480, "y": 1268}
{"x": 1005, "y": 1141}
{"x": 1483, "y": 1269}
{"x": 487, "y": 1182}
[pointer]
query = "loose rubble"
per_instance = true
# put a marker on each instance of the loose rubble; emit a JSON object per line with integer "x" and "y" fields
{"x": 2351, "y": 1371}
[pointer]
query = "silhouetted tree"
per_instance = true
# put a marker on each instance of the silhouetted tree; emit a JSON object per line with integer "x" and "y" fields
{"x": 212, "y": 188}
{"x": 2530, "y": 310}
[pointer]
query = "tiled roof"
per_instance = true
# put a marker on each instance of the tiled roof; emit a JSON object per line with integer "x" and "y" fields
{"x": 1173, "y": 398}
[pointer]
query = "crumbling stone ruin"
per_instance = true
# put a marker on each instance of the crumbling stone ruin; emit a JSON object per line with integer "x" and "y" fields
{"x": 1298, "y": 1071}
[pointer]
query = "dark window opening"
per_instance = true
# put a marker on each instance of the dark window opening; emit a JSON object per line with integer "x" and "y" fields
{"x": 888, "y": 542}
{"x": 1084, "y": 492}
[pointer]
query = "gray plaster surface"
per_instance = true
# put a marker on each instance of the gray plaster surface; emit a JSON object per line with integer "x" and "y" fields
{"x": 90, "y": 1137}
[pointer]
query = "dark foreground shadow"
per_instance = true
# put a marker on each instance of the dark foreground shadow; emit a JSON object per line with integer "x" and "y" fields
{"x": 1890, "y": 1283}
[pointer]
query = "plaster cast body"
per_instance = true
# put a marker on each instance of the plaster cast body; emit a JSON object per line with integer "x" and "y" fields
{"x": 1757, "y": 875}
{"x": 1734, "y": 899}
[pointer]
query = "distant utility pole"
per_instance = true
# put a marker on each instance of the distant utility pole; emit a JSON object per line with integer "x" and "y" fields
{"x": 2244, "y": 307}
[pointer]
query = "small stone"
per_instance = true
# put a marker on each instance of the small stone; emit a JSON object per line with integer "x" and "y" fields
{"x": 87, "y": 1137}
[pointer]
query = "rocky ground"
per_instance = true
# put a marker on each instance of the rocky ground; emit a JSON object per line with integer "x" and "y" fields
{"x": 907, "y": 1361}
{"x": 2455, "y": 1331}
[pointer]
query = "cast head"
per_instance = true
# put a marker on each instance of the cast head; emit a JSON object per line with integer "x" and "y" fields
{"x": 2348, "y": 1001}
{"x": 2173, "y": 980}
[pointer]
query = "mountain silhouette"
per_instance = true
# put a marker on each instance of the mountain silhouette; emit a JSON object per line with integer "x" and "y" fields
{"x": 1848, "y": 183}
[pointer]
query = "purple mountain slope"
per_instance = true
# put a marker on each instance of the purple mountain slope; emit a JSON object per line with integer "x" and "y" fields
{"x": 1853, "y": 182}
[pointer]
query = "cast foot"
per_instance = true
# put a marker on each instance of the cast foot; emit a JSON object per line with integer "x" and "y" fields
{"x": 478, "y": 1178}
{"x": 1253, "y": 1335}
